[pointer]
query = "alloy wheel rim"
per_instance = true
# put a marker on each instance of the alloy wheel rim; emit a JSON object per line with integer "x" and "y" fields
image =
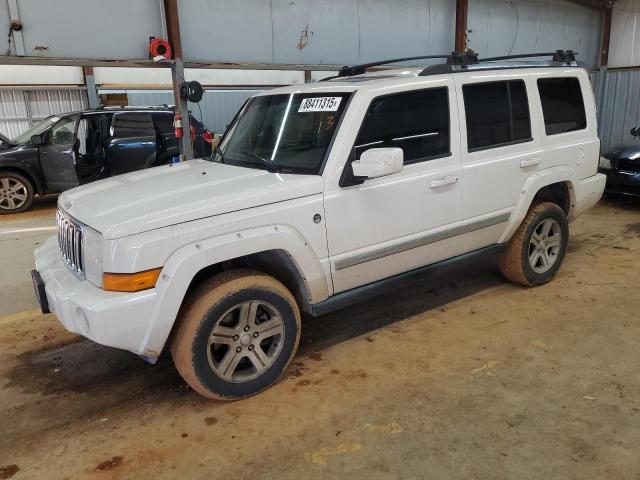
{"x": 245, "y": 341}
{"x": 13, "y": 193}
{"x": 544, "y": 245}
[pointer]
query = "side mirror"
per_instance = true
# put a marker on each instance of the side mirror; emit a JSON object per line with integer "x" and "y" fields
{"x": 378, "y": 162}
{"x": 36, "y": 140}
{"x": 635, "y": 132}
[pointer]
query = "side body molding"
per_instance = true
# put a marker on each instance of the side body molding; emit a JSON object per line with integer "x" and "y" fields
{"x": 531, "y": 186}
{"x": 187, "y": 261}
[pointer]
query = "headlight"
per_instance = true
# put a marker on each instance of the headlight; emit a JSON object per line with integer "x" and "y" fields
{"x": 605, "y": 163}
{"x": 92, "y": 255}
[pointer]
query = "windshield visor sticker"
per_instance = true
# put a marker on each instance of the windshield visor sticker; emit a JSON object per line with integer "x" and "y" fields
{"x": 320, "y": 104}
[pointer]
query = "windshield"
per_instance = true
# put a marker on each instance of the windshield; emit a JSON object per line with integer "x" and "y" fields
{"x": 37, "y": 129}
{"x": 287, "y": 133}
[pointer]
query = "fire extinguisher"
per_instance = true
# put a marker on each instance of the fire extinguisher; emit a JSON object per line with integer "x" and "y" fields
{"x": 177, "y": 125}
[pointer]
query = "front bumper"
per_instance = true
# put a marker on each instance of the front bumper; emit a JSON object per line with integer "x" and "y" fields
{"x": 622, "y": 182}
{"x": 113, "y": 319}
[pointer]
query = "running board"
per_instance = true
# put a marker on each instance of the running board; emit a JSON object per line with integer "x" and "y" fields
{"x": 359, "y": 294}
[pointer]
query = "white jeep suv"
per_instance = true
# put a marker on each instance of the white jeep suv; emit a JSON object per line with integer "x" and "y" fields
{"x": 318, "y": 196}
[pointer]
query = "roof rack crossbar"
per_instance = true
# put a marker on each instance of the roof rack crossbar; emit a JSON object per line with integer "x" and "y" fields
{"x": 561, "y": 56}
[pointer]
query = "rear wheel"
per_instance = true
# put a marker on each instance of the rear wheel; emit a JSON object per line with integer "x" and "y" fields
{"x": 236, "y": 335}
{"x": 536, "y": 251}
{"x": 16, "y": 193}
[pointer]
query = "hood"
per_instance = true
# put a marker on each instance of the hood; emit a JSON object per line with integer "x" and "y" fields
{"x": 5, "y": 142}
{"x": 630, "y": 151}
{"x": 170, "y": 194}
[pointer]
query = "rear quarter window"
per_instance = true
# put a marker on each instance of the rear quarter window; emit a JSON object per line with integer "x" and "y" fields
{"x": 126, "y": 125}
{"x": 562, "y": 105}
{"x": 164, "y": 122}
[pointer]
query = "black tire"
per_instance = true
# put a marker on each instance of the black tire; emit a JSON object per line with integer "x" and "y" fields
{"x": 527, "y": 264}
{"x": 216, "y": 306}
{"x": 12, "y": 201}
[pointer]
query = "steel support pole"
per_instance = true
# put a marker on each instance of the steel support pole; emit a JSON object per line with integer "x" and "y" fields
{"x": 92, "y": 90}
{"x": 177, "y": 75}
{"x": 462, "y": 9}
{"x": 606, "y": 37}
{"x": 18, "y": 41}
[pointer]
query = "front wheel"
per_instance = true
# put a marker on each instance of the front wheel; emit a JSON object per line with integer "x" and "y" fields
{"x": 16, "y": 193}
{"x": 534, "y": 254}
{"x": 236, "y": 335}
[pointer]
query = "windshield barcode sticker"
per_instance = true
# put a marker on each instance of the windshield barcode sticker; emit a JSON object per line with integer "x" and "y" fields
{"x": 320, "y": 104}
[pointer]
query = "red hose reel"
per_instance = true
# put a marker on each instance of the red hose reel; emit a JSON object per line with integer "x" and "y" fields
{"x": 159, "y": 47}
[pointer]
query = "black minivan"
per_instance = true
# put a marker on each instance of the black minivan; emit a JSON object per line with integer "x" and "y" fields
{"x": 64, "y": 151}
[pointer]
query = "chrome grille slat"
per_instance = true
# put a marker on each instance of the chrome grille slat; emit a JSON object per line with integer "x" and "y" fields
{"x": 70, "y": 243}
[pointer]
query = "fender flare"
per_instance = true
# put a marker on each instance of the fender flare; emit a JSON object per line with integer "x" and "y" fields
{"x": 28, "y": 170}
{"x": 182, "y": 266}
{"x": 531, "y": 187}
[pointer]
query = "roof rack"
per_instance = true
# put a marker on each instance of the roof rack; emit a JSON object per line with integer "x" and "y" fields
{"x": 469, "y": 60}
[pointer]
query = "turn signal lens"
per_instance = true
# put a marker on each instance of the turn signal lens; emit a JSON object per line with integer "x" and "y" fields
{"x": 130, "y": 282}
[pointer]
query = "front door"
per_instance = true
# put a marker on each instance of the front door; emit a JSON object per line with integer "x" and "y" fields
{"x": 393, "y": 224}
{"x": 58, "y": 155}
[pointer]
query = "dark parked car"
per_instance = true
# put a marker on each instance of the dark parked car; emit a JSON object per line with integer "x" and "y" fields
{"x": 67, "y": 150}
{"x": 621, "y": 165}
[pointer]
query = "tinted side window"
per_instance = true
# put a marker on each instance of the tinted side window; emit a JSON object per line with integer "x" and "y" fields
{"x": 562, "y": 105}
{"x": 164, "y": 122}
{"x": 417, "y": 122}
{"x": 133, "y": 125}
{"x": 497, "y": 114}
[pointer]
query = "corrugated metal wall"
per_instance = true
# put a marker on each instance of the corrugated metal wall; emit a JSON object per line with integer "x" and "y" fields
{"x": 618, "y": 98}
{"x": 20, "y": 109}
{"x": 315, "y": 32}
{"x": 502, "y": 27}
{"x": 218, "y": 106}
{"x": 624, "y": 50}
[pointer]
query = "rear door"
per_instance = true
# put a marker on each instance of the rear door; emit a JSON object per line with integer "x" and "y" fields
{"x": 132, "y": 143}
{"x": 500, "y": 149}
{"x": 58, "y": 155}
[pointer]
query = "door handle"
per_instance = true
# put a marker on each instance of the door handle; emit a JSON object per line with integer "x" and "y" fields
{"x": 443, "y": 181}
{"x": 530, "y": 162}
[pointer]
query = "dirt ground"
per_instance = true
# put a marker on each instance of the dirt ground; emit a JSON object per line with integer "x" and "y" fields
{"x": 461, "y": 377}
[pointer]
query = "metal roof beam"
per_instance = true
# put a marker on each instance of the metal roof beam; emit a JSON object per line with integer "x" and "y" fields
{"x": 104, "y": 62}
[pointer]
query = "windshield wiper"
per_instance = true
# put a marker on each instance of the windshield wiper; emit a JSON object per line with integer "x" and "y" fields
{"x": 262, "y": 161}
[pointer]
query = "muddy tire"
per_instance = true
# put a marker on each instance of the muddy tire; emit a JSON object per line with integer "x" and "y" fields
{"x": 535, "y": 252}
{"x": 16, "y": 193}
{"x": 236, "y": 335}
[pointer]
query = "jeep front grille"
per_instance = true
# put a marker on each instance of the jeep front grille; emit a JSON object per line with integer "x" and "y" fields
{"x": 70, "y": 243}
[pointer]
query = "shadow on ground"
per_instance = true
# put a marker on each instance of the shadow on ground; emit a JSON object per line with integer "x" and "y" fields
{"x": 97, "y": 379}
